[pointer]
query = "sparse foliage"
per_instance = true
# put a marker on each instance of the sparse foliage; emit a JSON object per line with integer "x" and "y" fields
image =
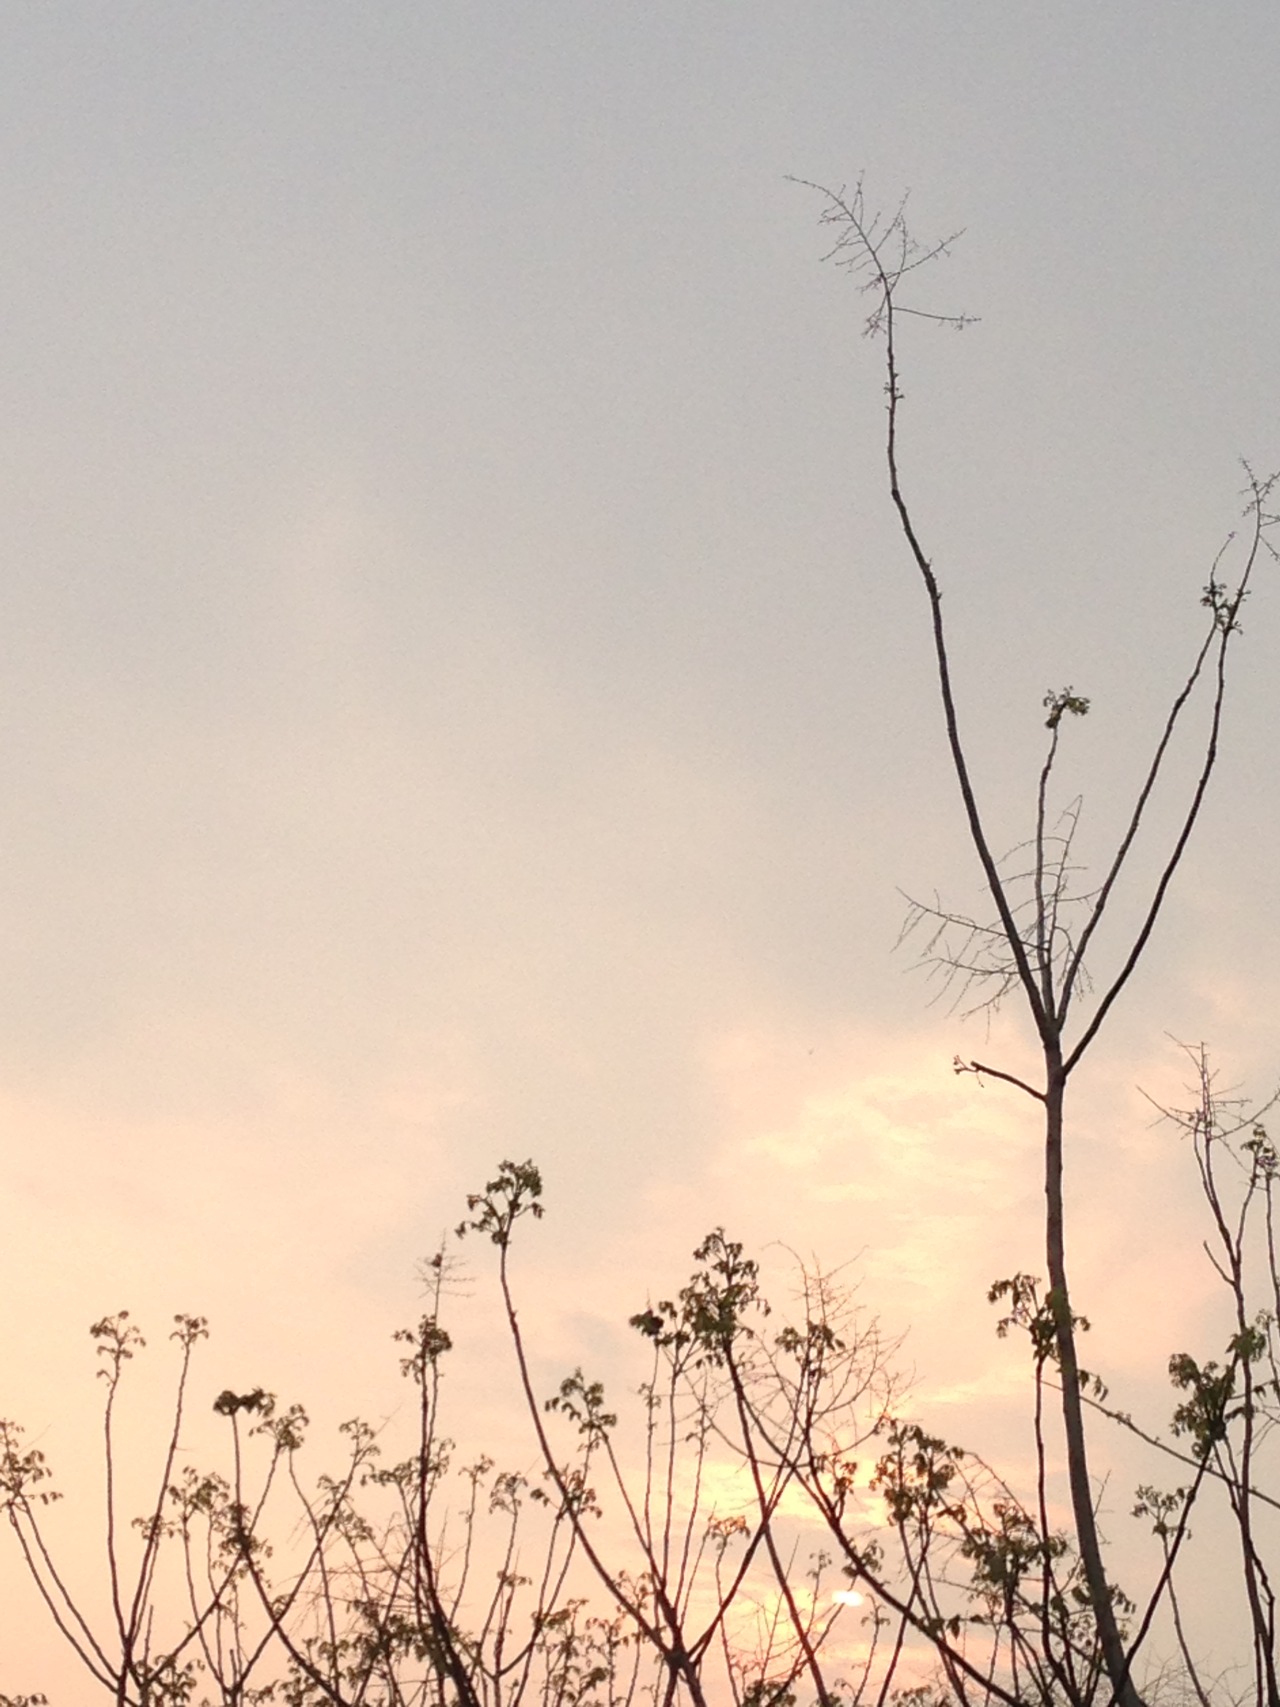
{"x": 764, "y": 1521}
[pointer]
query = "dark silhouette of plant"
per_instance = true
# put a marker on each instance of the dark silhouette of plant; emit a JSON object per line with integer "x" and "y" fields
{"x": 1230, "y": 1408}
{"x": 426, "y": 1579}
{"x": 1037, "y": 943}
{"x": 706, "y": 1546}
{"x": 682, "y": 1550}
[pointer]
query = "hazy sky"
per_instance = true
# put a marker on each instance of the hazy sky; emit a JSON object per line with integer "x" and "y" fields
{"x": 462, "y": 693}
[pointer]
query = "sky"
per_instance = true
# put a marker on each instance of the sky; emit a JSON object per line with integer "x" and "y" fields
{"x": 464, "y": 697}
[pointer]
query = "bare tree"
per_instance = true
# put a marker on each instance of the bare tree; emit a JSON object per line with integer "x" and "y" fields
{"x": 1037, "y": 944}
{"x": 432, "y": 1580}
{"x": 681, "y": 1567}
{"x": 672, "y": 1558}
{"x": 802, "y": 1402}
{"x": 1230, "y": 1409}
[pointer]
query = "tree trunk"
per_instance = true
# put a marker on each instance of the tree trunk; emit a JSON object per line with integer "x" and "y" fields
{"x": 1086, "y": 1527}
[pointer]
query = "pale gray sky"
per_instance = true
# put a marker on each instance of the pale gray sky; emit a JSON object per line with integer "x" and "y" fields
{"x": 462, "y": 693}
